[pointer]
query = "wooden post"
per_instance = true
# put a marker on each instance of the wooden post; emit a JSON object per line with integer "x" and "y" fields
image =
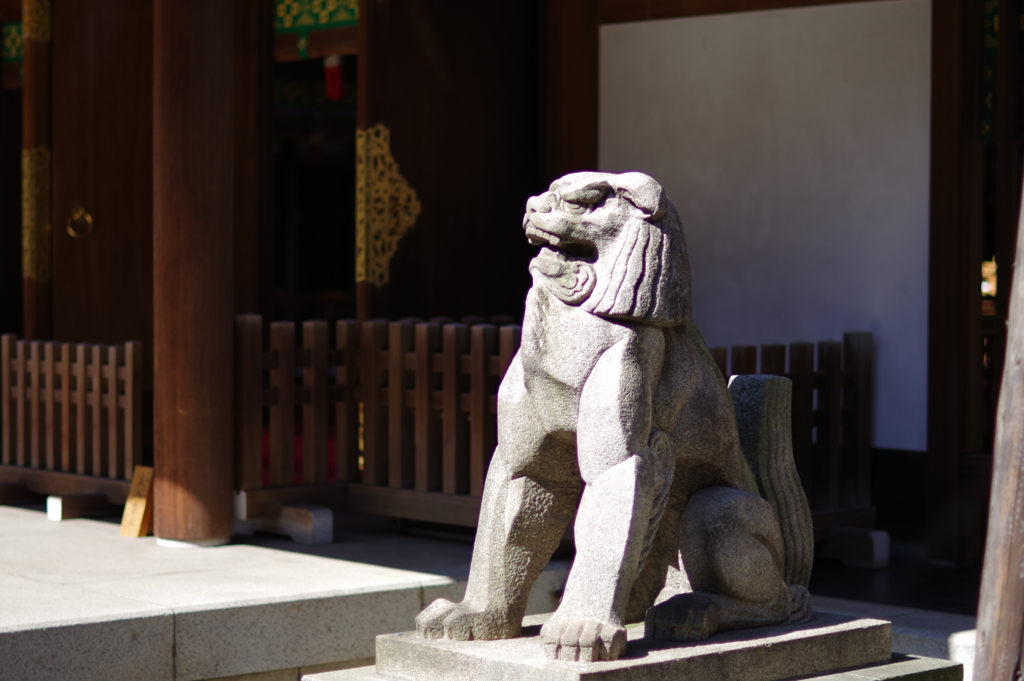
{"x": 314, "y": 413}
{"x": 401, "y": 438}
{"x": 428, "y": 441}
{"x": 282, "y": 413}
{"x": 1001, "y": 608}
{"x": 721, "y": 357}
{"x": 483, "y": 343}
{"x": 743, "y": 359}
{"x": 570, "y": 88}
{"x": 193, "y": 269}
{"x": 36, "y": 223}
{"x": 955, "y": 391}
{"x": 801, "y": 372}
{"x": 1006, "y": 132}
{"x": 346, "y": 414}
{"x": 249, "y": 402}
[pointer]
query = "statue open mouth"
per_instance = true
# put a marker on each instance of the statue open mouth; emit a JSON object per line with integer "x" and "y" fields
{"x": 539, "y": 237}
{"x": 560, "y": 248}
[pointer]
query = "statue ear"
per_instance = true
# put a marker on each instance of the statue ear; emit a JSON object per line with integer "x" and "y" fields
{"x": 643, "y": 192}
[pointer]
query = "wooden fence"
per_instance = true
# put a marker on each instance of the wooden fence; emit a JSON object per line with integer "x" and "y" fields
{"x": 399, "y": 418}
{"x": 406, "y": 412}
{"x": 832, "y": 419}
{"x": 71, "y": 415}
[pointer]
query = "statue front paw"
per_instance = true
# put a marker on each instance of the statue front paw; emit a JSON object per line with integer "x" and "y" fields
{"x": 430, "y": 622}
{"x": 583, "y": 640}
{"x": 461, "y": 622}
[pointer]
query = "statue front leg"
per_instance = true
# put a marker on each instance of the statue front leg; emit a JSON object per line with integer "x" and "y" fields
{"x": 615, "y": 526}
{"x": 522, "y": 520}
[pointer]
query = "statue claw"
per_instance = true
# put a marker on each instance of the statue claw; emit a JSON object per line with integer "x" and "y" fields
{"x": 583, "y": 640}
{"x": 430, "y": 622}
{"x": 459, "y": 622}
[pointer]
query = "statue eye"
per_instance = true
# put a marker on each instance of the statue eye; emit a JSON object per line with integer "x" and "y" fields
{"x": 573, "y": 207}
{"x": 587, "y": 196}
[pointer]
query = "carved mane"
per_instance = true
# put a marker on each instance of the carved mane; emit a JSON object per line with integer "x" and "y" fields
{"x": 647, "y": 277}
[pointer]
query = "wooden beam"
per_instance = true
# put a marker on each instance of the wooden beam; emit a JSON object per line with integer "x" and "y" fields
{"x": 434, "y": 507}
{"x": 955, "y": 419}
{"x": 53, "y": 482}
{"x": 71, "y": 506}
{"x": 267, "y": 503}
{"x": 619, "y": 11}
{"x": 193, "y": 161}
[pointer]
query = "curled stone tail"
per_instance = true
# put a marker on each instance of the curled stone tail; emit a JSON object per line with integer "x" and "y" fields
{"x": 763, "y": 415}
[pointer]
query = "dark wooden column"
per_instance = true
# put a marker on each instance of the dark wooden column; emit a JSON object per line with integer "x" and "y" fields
{"x": 370, "y": 300}
{"x": 11, "y": 319}
{"x": 1006, "y": 131}
{"x": 955, "y": 426}
{"x": 37, "y": 232}
{"x": 569, "y": 99}
{"x": 193, "y": 275}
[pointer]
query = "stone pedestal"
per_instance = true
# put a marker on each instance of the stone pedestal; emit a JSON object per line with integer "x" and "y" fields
{"x": 823, "y": 648}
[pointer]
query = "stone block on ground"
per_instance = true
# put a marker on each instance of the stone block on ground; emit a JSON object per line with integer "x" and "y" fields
{"x": 905, "y": 667}
{"x": 899, "y": 668}
{"x": 302, "y": 523}
{"x": 858, "y": 547}
{"x": 829, "y": 642}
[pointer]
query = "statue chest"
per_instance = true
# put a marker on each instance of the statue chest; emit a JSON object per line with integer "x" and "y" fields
{"x": 561, "y": 343}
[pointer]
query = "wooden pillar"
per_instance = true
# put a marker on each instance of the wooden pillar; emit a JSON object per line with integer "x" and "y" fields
{"x": 1006, "y": 131}
{"x": 193, "y": 269}
{"x": 371, "y": 301}
{"x": 569, "y": 97}
{"x": 955, "y": 391}
{"x": 36, "y": 223}
{"x": 1001, "y": 608}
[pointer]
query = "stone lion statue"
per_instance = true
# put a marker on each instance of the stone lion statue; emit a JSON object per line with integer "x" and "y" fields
{"x": 613, "y": 393}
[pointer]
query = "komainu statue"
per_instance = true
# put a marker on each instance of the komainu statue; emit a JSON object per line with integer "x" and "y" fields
{"x": 686, "y": 520}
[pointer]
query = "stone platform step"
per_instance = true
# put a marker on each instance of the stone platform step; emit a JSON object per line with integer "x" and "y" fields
{"x": 80, "y": 602}
{"x": 827, "y": 643}
{"x": 898, "y": 668}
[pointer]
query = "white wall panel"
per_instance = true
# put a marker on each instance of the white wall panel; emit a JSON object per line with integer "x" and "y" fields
{"x": 795, "y": 144}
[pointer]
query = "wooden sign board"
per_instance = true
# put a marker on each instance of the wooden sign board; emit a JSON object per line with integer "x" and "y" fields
{"x": 137, "y": 520}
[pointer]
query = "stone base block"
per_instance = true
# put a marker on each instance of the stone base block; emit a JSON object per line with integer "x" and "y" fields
{"x": 826, "y": 644}
{"x": 900, "y": 667}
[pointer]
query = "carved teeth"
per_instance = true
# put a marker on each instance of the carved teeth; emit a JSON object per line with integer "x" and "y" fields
{"x": 539, "y": 237}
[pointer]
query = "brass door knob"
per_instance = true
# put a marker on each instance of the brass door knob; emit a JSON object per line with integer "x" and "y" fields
{"x": 80, "y": 223}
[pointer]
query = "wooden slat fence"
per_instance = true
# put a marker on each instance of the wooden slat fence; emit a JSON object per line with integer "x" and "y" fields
{"x": 407, "y": 412}
{"x": 71, "y": 407}
{"x": 832, "y": 418}
{"x": 401, "y": 405}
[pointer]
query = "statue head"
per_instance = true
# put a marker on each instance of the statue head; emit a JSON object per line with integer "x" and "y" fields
{"x": 613, "y": 245}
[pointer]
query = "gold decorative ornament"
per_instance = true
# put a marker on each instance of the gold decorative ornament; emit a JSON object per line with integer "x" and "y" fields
{"x": 386, "y": 206}
{"x": 36, "y": 228}
{"x": 79, "y": 225}
{"x": 36, "y": 20}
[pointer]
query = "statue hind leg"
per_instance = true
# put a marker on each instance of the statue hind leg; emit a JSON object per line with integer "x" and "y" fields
{"x": 522, "y": 520}
{"x": 733, "y": 556}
